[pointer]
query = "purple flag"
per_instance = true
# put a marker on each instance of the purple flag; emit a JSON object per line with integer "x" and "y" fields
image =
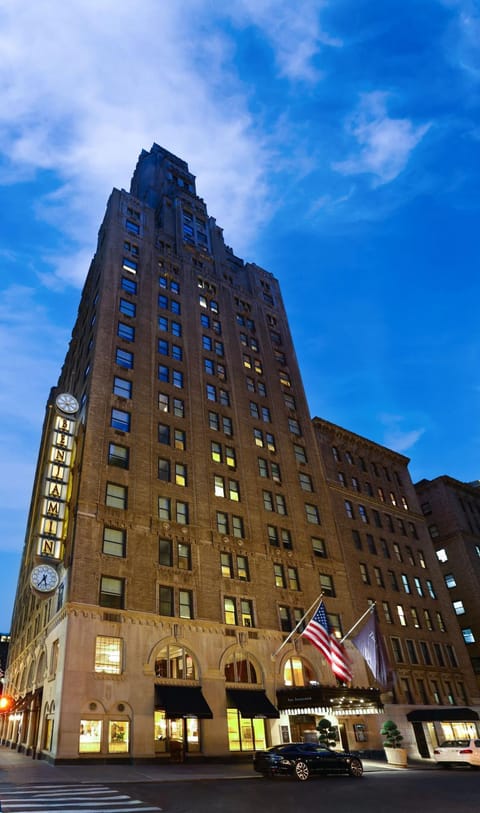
{"x": 370, "y": 643}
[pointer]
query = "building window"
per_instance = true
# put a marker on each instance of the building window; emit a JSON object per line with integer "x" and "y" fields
{"x": 387, "y": 612}
{"x": 182, "y": 513}
{"x": 129, "y": 285}
{"x": 412, "y": 652}
{"x": 124, "y": 358}
{"x": 122, "y": 387}
{"x": 300, "y": 454}
{"x": 279, "y": 575}
{"x": 222, "y": 523}
{"x": 327, "y": 585}
{"x": 165, "y": 600}
{"x": 319, "y": 547}
{"x": 229, "y": 610}
{"x": 468, "y": 635}
{"x": 305, "y": 482}
{"x": 226, "y": 564}
{"x": 127, "y": 308}
{"x": 108, "y": 655}
{"x": 349, "y": 509}
{"x": 397, "y": 650}
{"x": 450, "y": 580}
{"x": 118, "y": 455}
{"x": 165, "y": 555}
{"x": 364, "y": 574}
{"x": 185, "y": 603}
{"x": 164, "y": 434}
{"x": 116, "y": 496}
{"x": 430, "y": 588}
{"x": 401, "y": 615}
{"x": 112, "y": 592}
{"x": 292, "y": 576}
{"x": 126, "y": 332}
{"x": 312, "y": 514}
{"x": 175, "y": 663}
{"x": 242, "y": 568}
{"x": 164, "y": 508}
{"x": 363, "y": 513}
{"x": 114, "y": 541}
{"x": 406, "y": 583}
{"x": 237, "y": 527}
{"x": 180, "y": 474}
{"x": 120, "y": 420}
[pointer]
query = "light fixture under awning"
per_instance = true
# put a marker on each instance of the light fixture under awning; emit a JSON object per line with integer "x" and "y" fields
{"x": 251, "y": 703}
{"x": 182, "y": 701}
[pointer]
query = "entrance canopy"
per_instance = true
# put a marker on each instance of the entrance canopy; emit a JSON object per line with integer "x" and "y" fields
{"x": 182, "y": 701}
{"x": 450, "y": 714}
{"x": 338, "y": 700}
{"x": 251, "y": 703}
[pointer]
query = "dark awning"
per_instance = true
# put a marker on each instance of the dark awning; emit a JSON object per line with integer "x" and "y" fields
{"x": 251, "y": 703}
{"x": 437, "y": 715}
{"x": 182, "y": 701}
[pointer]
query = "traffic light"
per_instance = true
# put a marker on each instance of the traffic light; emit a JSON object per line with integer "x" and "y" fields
{"x": 6, "y": 703}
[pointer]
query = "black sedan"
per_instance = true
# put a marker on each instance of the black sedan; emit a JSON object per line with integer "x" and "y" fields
{"x": 304, "y": 759}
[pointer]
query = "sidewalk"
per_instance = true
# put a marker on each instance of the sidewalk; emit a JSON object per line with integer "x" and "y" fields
{"x": 18, "y": 769}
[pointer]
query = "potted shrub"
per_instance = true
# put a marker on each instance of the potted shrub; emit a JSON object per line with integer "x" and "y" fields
{"x": 326, "y": 733}
{"x": 396, "y": 755}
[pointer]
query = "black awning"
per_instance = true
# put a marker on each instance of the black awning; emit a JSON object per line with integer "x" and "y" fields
{"x": 450, "y": 714}
{"x": 182, "y": 701}
{"x": 251, "y": 703}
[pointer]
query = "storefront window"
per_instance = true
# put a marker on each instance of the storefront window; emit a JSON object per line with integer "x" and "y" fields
{"x": 182, "y": 732}
{"x": 240, "y": 669}
{"x": 245, "y": 734}
{"x": 118, "y": 736}
{"x": 90, "y": 736}
{"x": 297, "y": 673}
{"x": 175, "y": 662}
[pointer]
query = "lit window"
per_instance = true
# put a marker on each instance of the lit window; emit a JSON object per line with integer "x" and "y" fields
{"x": 118, "y": 455}
{"x": 450, "y": 580}
{"x": 108, "y": 655}
{"x": 112, "y": 592}
{"x": 326, "y": 584}
{"x": 126, "y": 332}
{"x": 114, "y": 540}
{"x": 116, "y": 496}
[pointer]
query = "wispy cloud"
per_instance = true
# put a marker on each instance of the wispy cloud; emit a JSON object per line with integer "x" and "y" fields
{"x": 384, "y": 143}
{"x": 396, "y": 436}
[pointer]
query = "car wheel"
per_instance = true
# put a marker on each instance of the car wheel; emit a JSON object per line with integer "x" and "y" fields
{"x": 355, "y": 768}
{"x": 302, "y": 771}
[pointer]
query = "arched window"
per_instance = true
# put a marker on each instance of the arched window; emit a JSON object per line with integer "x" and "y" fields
{"x": 297, "y": 673}
{"x": 175, "y": 662}
{"x": 240, "y": 669}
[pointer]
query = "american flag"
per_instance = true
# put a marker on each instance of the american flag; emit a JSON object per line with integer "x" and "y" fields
{"x": 319, "y": 633}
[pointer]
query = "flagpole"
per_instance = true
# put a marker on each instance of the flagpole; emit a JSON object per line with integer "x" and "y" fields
{"x": 369, "y": 609}
{"x": 297, "y": 626}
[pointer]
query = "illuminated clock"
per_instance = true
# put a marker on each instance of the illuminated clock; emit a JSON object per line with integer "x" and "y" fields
{"x": 67, "y": 403}
{"x": 44, "y": 578}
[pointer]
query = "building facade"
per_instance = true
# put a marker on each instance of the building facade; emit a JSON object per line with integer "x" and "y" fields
{"x": 181, "y": 522}
{"x": 452, "y": 513}
{"x": 390, "y": 561}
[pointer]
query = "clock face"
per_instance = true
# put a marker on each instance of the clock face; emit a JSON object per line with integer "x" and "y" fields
{"x": 44, "y": 578}
{"x": 67, "y": 403}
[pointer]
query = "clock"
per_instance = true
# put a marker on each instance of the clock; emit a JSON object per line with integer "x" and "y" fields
{"x": 44, "y": 578}
{"x": 67, "y": 403}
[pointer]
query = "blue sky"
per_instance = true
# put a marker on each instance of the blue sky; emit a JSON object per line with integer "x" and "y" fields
{"x": 336, "y": 142}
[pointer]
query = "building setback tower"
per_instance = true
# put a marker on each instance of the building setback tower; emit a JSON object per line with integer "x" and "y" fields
{"x": 181, "y": 521}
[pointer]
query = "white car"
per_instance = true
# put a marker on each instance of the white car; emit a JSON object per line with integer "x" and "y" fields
{"x": 457, "y": 752}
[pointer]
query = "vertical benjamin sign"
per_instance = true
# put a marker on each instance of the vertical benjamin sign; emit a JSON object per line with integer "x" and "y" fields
{"x": 53, "y": 504}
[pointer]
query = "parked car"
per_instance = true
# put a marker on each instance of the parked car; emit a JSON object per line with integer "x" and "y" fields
{"x": 304, "y": 759}
{"x": 457, "y": 752}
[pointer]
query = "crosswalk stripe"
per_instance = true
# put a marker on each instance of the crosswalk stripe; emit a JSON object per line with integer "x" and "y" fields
{"x": 70, "y": 799}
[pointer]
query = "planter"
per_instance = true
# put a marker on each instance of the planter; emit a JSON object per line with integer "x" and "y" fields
{"x": 396, "y": 756}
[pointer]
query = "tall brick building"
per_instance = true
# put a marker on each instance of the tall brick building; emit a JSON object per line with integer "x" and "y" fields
{"x": 181, "y": 523}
